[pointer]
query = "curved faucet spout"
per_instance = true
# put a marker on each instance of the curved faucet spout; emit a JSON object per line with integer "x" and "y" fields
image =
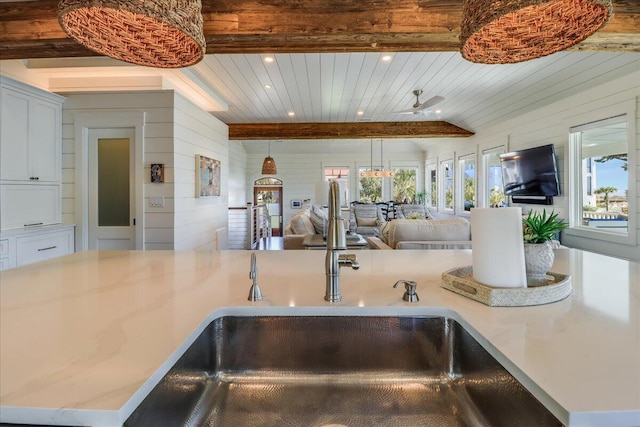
{"x": 336, "y": 241}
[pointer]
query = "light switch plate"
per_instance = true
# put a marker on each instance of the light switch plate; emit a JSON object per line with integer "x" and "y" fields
{"x": 156, "y": 202}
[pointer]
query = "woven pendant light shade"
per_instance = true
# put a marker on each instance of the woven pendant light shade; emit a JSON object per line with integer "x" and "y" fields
{"x": 269, "y": 166}
{"x": 153, "y": 33}
{"x": 509, "y": 31}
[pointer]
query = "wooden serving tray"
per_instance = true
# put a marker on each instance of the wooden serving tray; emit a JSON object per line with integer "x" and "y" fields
{"x": 460, "y": 280}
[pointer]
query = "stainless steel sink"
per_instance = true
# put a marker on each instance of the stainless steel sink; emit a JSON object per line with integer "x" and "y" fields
{"x": 338, "y": 371}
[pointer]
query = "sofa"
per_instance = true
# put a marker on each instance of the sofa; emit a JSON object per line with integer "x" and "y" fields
{"x": 452, "y": 233}
{"x": 307, "y": 221}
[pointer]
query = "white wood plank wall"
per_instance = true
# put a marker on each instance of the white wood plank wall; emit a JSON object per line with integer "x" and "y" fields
{"x": 237, "y": 230}
{"x": 548, "y": 125}
{"x": 197, "y": 219}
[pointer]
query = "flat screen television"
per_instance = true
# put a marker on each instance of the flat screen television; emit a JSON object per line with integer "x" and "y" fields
{"x": 530, "y": 172}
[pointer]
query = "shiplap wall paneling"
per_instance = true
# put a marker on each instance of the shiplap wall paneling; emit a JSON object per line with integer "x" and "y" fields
{"x": 197, "y": 219}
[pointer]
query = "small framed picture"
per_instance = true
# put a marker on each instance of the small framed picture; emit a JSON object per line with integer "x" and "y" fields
{"x": 157, "y": 172}
{"x": 296, "y": 204}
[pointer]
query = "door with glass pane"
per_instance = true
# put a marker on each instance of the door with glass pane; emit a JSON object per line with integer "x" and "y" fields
{"x": 111, "y": 189}
{"x": 272, "y": 197}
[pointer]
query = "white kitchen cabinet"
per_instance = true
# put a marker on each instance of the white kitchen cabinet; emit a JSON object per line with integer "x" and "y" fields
{"x": 28, "y": 245}
{"x": 30, "y": 156}
{"x": 31, "y": 134}
{"x": 29, "y": 205}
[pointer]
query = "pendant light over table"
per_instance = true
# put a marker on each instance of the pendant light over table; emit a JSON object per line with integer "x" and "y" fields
{"x": 269, "y": 164}
{"x": 510, "y": 31}
{"x": 153, "y": 33}
{"x": 371, "y": 173}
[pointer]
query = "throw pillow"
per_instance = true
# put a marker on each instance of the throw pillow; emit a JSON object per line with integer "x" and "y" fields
{"x": 317, "y": 220}
{"x": 367, "y": 222}
{"x": 384, "y": 234}
{"x": 301, "y": 224}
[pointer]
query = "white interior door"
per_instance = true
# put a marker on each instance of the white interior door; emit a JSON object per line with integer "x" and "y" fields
{"x": 112, "y": 189}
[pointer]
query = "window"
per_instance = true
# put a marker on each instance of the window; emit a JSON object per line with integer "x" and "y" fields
{"x": 446, "y": 171}
{"x": 493, "y": 191}
{"x": 370, "y": 188}
{"x": 467, "y": 181}
{"x": 404, "y": 185}
{"x": 431, "y": 186}
{"x": 601, "y": 152}
{"x": 341, "y": 173}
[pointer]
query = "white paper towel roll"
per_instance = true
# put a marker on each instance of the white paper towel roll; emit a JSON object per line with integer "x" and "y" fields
{"x": 498, "y": 248}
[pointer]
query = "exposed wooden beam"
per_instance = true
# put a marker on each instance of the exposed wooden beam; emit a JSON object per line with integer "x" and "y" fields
{"x": 31, "y": 29}
{"x": 357, "y": 130}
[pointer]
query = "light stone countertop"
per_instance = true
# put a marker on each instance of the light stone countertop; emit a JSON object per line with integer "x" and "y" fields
{"x": 85, "y": 337}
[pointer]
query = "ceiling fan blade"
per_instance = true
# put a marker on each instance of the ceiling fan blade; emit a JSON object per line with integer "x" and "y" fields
{"x": 429, "y": 103}
{"x": 421, "y": 109}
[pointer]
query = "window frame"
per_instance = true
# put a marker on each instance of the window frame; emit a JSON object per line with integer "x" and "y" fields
{"x": 346, "y": 197}
{"x": 431, "y": 202}
{"x": 403, "y": 166}
{"x": 359, "y": 178}
{"x": 442, "y": 185}
{"x": 486, "y": 190}
{"x": 459, "y": 197}
{"x": 628, "y": 109}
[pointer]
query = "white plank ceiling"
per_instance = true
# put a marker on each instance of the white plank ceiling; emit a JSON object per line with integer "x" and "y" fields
{"x": 333, "y": 87}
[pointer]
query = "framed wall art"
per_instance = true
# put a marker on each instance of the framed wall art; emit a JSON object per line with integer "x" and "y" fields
{"x": 157, "y": 172}
{"x": 207, "y": 176}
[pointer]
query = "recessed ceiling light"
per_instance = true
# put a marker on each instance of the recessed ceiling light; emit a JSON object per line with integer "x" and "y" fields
{"x": 267, "y": 86}
{"x": 269, "y": 59}
{"x": 291, "y": 113}
{"x": 360, "y": 113}
{"x": 438, "y": 111}
{"x": 386, "y": 58}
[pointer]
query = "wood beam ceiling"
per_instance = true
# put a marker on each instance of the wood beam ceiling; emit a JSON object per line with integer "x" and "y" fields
{"x": 31, "y": 29}
{"x": 357, "y": 130}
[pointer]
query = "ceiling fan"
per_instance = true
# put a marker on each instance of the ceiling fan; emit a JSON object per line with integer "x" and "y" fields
{"x": 423, "y": 108}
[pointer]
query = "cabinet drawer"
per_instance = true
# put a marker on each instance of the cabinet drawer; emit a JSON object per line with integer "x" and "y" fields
{"x": 44, "y": 246}
{"x": 4, "y": 264}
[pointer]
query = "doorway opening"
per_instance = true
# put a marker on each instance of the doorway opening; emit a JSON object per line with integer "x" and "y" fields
{"x": 268, "y": 191}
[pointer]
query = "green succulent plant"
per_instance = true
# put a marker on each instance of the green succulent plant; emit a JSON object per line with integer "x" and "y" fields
{"x": 537, "y": 227}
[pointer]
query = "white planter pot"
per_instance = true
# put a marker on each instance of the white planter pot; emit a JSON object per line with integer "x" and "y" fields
{"x": 538, "y": 259}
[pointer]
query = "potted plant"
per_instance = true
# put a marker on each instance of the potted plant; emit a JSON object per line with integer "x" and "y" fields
{"x": 538, "y": 232}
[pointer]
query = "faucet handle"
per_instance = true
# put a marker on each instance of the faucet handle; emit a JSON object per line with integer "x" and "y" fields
{"x": 350, "y": 259}
{"x": 410, "y": 286}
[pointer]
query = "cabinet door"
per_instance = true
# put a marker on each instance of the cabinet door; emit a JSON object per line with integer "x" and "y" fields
{"x": 14, "y": 137}
{"x": 45, "y": 150}
{"x": 24, "y": 205}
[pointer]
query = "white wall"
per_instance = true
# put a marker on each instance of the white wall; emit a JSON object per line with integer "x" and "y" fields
{"x": 198, "y": 221}
{"x": 550, "y": 125}
{"x": 238, "y": 175}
